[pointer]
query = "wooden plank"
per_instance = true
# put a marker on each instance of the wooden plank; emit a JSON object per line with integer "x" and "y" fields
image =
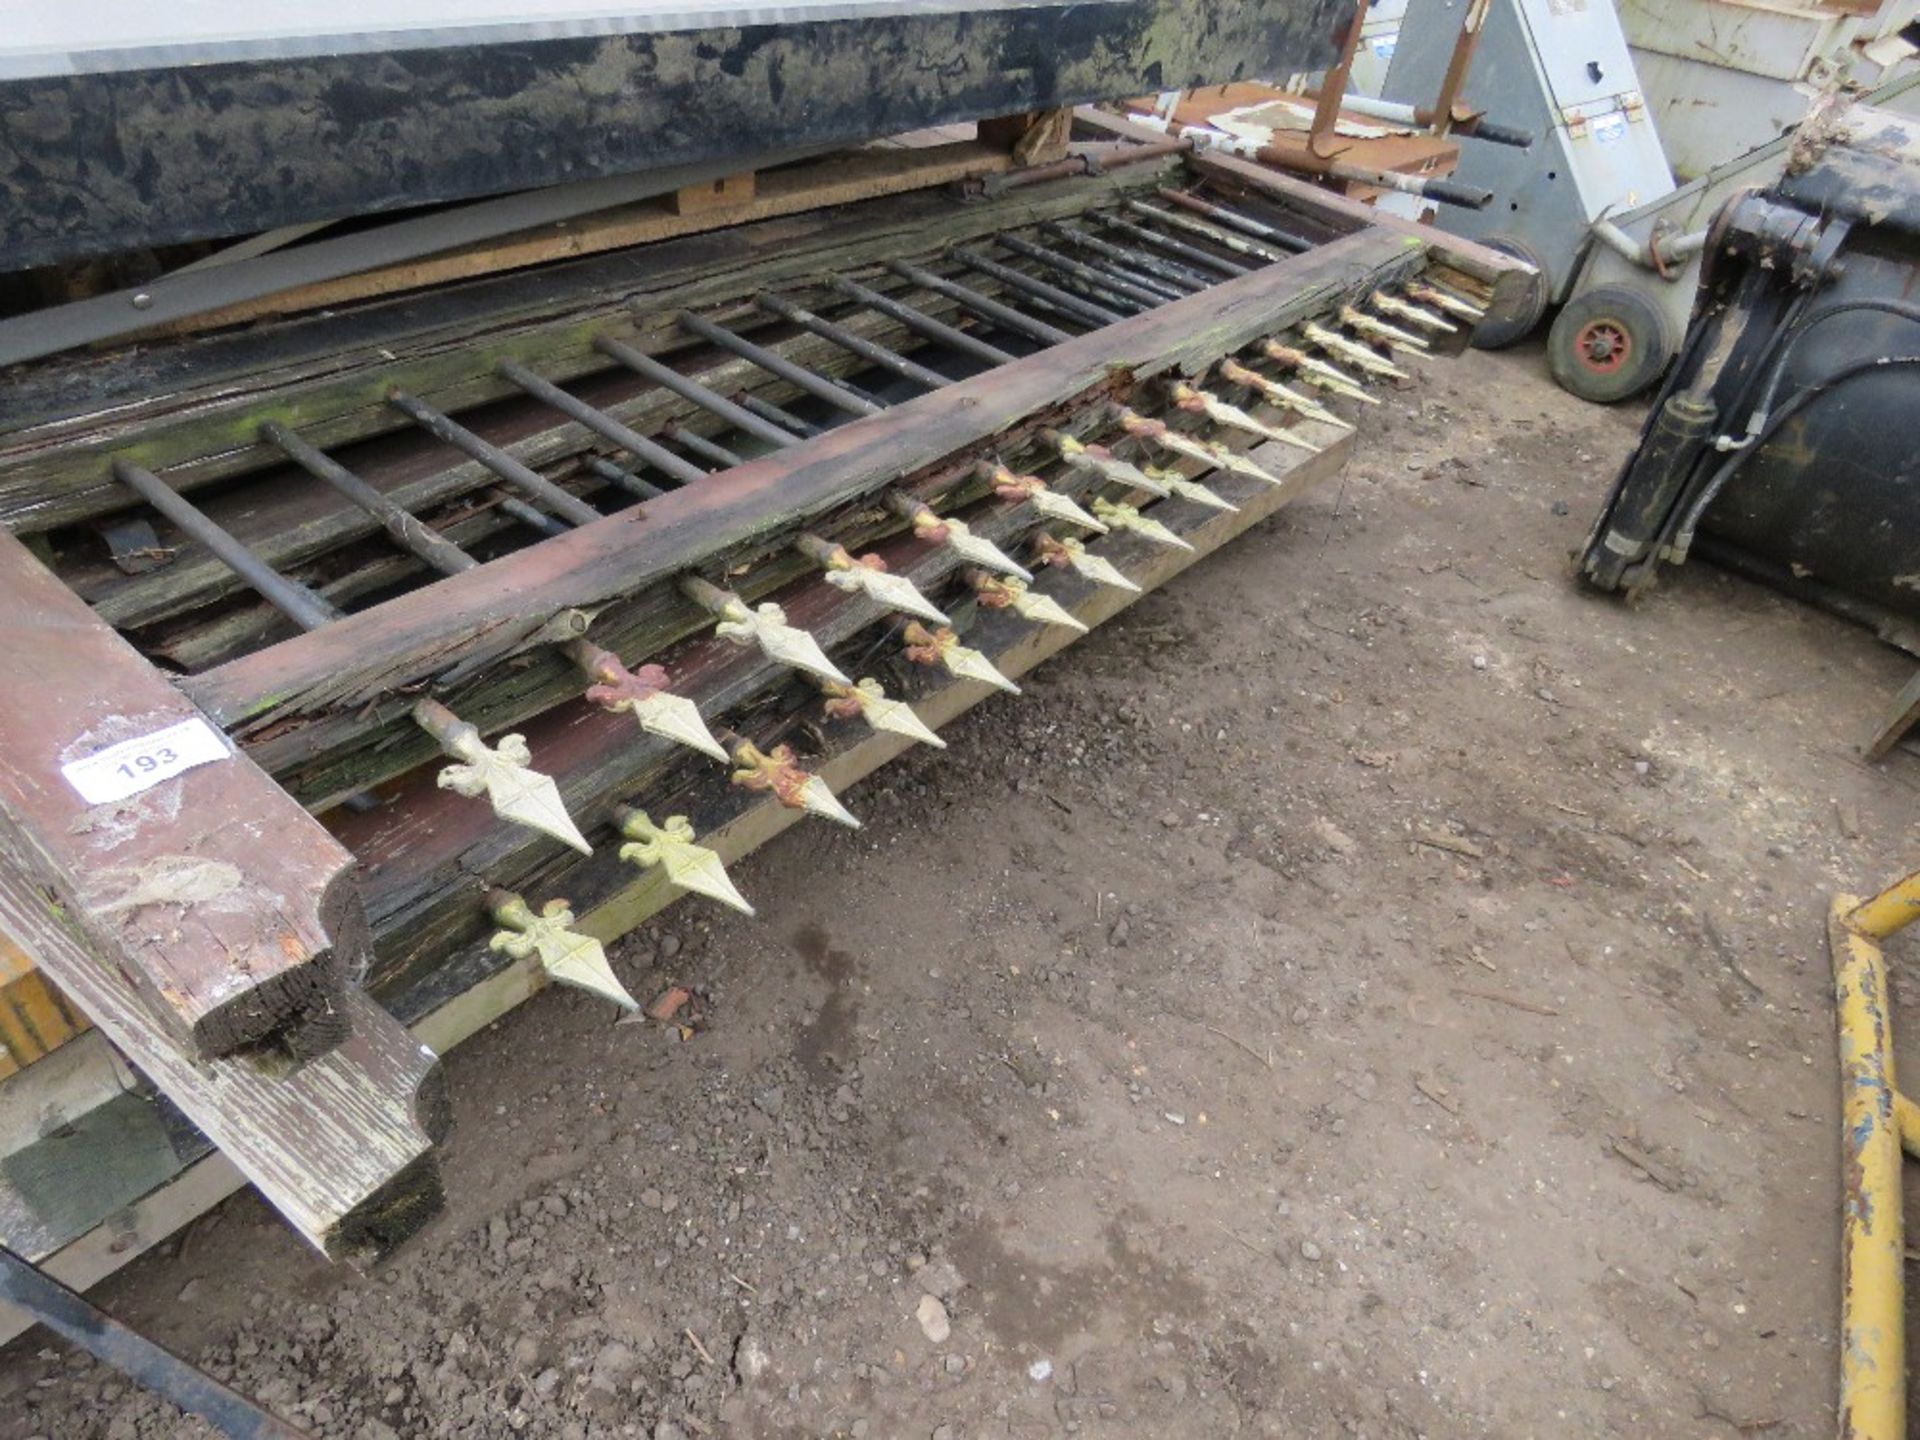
{"x": 840, "y": 179}
{"x": 339, "y": 1145}
{"x": 227, "y": 904}
{"x": 1903, "y": 717}
{"x": 35, "y": 1019}
{"x": 1016, "y": 648}
{"x": 491, "y": 611}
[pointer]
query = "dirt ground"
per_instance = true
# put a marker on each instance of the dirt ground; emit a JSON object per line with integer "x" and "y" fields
{"x": 1368, "y": 989}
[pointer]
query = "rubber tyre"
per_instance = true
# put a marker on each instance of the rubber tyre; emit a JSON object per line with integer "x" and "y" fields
{"x": 1608, "y": 344}
{"x": 1510, "y": 323}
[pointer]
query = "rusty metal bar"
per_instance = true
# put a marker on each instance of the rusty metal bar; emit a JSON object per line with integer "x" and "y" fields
{"x": 1166, "y": 271}
{"x": 1205, "y": 259}
{"x": 1003, "y": 315}
{"x": 1165, "y": 290}
{"x": 625, "y": 479}
{"x": 786, "y": 419}
{"x": 306, "y": 608}
{"x": 599, "y": 422}
{"x": 818, "y": 386}
{"x": 1234, "y": 220}
{"x": 1051, "y": 296}
{"x": 521, "y": 477}
{"x": 1130, "y": 295}
{"x": 690, "y": 389}
{"x": 408, "y": 530}
{"x": 516, "y": 508}
{"x": 1333, "y": 85}
{"x": 1458, "y": 64}
{"x": 1213, "y": 234}
{"x": 937, "y": 330}
{"x": 79, "y": 1323}
{"x": 880, "y": 355}
{"x": 700, "y": 445}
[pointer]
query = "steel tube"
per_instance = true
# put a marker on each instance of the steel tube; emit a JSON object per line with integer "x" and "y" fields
{"x": 1165, "y": 290}
{"x": 1190, "y": 253}
{"x": 1168, "y": 271}
{"x": 521, "y": 477}
{"x": 1234, "y": 220}
{"x": 1873, "y": 1350}
{"x": 1893, "y": 909}
{"x": 1003, "y": 315}
{"x": 938, "y": 330}
{"x": 1213, "y": 234}
{"x": 866, "y": 349}
{"x": 773, "y": 413}
{"x": 818, "y": 386}
{"x": 534, "y": 519}
{"x": 699, "y": 444}
{"x": 598, "y": 421}
{"x": 690, "y": 389}
{"x": 630, "y": 483}
{"x": 306, "y": 608}
{"x": 1133, "y": 295}
{"x": 408, "y": 530}
{"x": 1049, "y": 295}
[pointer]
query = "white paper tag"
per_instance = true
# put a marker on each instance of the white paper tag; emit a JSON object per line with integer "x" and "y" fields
{"x": 135, "y": 765}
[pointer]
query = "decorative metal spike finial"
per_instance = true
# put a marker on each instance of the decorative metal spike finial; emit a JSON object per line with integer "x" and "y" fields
{"x": 1448, "y": 301}
{"x": 1190, "y": 489}
{"x": 670, "y": 845}
{"x": 502, "y": 773}
{"x": 1102, "y": 462}
{"x": 1125, "y": 517}
{"x": 1207, "y": 452}
{"x": 1003, "y": 593}
{"x": 1049, "y": 502}
{"x": 765, "y": 626}
{"x": 1408, "y": 311}
{"x": 867, "y": 699}
{"x": 568, "y": 958}
{"x": 868, "y": 575}
{"x": 1232, "y": 371}
{"x": 1199, "y": 402}
{"x": 1335, "y": 343}
{"x": 943, "y": 647}
{"x": 1378, "y": 329}
{"x": 643, "y": 693}
{"x": 1317, "y": 372}
{"x": 1072, "y": 553}
{"x": 955, "y": 535}
{"x": 777, "y": 772}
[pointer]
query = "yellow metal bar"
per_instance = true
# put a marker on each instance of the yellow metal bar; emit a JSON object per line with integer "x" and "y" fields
{"x": 1873, "y": 1343}
{"x": 1906, "y": 1118}
{"x": 1892, "y": 909}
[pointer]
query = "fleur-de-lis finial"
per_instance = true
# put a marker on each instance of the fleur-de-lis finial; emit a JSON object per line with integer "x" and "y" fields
{"x": 567, "y": 957}
{"x": 502, "y": 773}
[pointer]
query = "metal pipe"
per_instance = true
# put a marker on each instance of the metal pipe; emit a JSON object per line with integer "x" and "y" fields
{"x": 1873, "y": 1349}
{"x": 408, "y": 530}
{"x": 926, "y": 325}
{"x": 1212, "y": 234}
{"x": 516, "y": 508}
{"x": 522, "y": 477}
{"x": 598, "y": 421}
{"x": 1659, "y": 256}
{"x": 1234, "y": 220}
{"x": 1159, "y": 288}
{"x": 818, "y": 386}
{"x": 690, "y": 389}
{"x": 79, "y": 1323}
{"x": 1458, "y": 64}
{"x": 1462, "y": 121}
{"x": 1132, "y": 295}
{"x": 626, "y": 480}
{"x": 1892, "y": 910}
{"x": 1003, "y": 315}
{"x": 866, "y": 349}
{"x": 767, "y": 410}
{"x": 1049, "y": 295}
{"x": 1168, "y": 271}
{"x": 306, "y": 608}
{"x": 1206, "y": 260}
{"x": 1333, "y": 85}
{"x": 701, "y": 446}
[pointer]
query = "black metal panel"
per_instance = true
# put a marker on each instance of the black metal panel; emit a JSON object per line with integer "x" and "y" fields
{"x": 95, "y": 163}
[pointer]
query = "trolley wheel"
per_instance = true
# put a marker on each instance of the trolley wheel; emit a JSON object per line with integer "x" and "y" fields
{"x": 1608, "y": 344}
{"x": 1510, "y": 321}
